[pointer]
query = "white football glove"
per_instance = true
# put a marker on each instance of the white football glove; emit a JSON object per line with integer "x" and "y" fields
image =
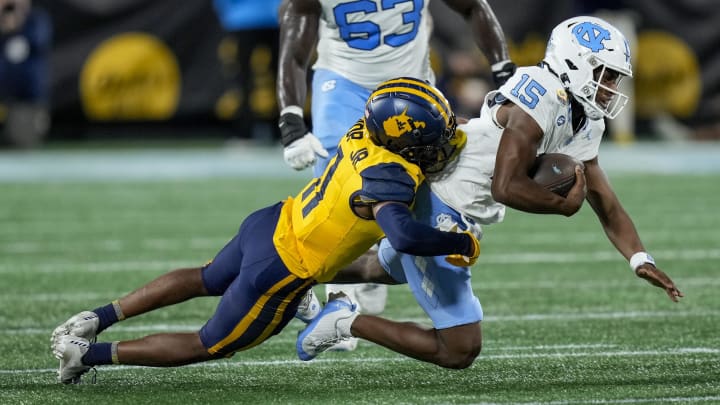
{"x": 303, "y": 152}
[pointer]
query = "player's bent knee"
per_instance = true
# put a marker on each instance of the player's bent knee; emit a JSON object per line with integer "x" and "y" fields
{"x": 460, "y": 346}
{"x": 460, "y": 358}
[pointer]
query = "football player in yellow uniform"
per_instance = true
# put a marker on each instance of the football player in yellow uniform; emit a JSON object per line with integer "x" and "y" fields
{"x": 281, "y": 251}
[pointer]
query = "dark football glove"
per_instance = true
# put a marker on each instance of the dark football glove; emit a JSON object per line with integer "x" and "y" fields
{"x": 502, "y": 71}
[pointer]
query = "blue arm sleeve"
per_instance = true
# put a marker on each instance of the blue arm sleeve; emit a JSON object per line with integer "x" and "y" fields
{"x": 407, "y": 235}
{"x": 387, "y": 182}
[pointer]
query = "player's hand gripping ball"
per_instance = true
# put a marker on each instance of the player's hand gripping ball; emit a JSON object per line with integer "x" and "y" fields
{"x": 555, "y": 172}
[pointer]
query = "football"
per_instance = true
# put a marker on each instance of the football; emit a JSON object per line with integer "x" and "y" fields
{"x": 555, "y": 172}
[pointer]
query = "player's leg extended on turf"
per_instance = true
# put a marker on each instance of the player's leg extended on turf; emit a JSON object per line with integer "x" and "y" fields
{"x": 170, "y": 288}
{"x": 442, "y": 290}
{"x": 258, "y": 304}
{"x": 255, "y": 305}
{"x": 72, "y": 341}
{"x": 445, "y": 293}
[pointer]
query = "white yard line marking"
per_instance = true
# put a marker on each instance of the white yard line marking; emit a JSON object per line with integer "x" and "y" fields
{"x": 164, "y": 327}
{"x": 510, "y": 258}
{"x": 254, "y": 363}
{"x": 478, "y": 284}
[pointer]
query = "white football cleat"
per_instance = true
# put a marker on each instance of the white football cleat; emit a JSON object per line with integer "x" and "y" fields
{"x": 70, "y": 350}
{"x": 345, "y": 345}
{"x": 84, "y": 325}
{"x": 309, "y": 307}
{"x": 330, "y": 327}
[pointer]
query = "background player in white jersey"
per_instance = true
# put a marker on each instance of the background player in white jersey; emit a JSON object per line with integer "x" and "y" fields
{"x": 557, "y": 106}
{"x": 359, "y": 44}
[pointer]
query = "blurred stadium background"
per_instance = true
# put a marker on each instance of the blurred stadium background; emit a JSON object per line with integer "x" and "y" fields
{"x": 140, "y": 71}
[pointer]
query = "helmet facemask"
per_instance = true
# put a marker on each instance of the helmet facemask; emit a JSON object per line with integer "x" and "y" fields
{"x": 435, "y": 157}
{"x": 600, "y": 96}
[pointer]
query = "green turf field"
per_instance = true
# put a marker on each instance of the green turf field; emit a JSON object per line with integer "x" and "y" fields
{"x": 565, "y": 319}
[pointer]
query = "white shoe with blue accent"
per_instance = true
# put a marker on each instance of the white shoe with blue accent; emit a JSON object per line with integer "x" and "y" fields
{"x": 330, "y": 327}
{"x": 309, "y": 307}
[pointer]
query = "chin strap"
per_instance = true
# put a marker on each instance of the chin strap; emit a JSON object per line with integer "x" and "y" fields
{"x": 578, "y": 111}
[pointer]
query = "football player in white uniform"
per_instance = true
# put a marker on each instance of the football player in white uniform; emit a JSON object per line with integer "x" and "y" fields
{"x": 557, "y": 106}
{"x": 359, "y": 44}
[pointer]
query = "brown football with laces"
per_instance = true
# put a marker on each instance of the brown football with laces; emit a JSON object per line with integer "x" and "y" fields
{"x": 555, "y": 172}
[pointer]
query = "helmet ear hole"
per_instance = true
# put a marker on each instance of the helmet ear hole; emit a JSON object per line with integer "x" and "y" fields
{"x": 570, "y": 64}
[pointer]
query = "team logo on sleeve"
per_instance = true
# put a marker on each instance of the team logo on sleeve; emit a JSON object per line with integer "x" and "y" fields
{"x": 560, "y": 120}
{"x": 399, "y": 125}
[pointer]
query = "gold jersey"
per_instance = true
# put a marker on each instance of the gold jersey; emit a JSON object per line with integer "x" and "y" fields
{"x": 320, "y": 230}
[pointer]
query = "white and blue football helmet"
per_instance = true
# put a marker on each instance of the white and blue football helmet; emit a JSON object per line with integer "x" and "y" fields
{"x": 580, "y": 51}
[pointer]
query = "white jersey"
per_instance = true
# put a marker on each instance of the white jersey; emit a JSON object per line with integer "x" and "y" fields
{"x": 541, "y": 95}
{"x": 368, "y": 44}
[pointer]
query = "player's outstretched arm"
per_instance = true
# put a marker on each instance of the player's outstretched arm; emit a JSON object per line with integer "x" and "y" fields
{"x": 409, "y": 236}
{"x": 488, "y": 35}
{"x": 621, "y": 230}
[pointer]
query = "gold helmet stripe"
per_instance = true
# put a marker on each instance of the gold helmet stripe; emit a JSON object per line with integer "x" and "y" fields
{"x": 412, "y": 82}
{"x": 442, "y": 108}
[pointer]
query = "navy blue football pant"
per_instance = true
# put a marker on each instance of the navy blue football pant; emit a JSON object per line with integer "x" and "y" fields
{"x": 259, "y": 294}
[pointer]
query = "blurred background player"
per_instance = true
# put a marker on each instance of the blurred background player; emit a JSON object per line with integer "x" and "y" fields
{"x": 25, "y": 42}
{"x": 282, "y": 250}
{"x": 559, "y": 107}
{"x": 249, "y": 57}
{"x": 359, "y": 44}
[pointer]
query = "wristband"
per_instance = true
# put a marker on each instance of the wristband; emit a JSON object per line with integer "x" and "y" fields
{"x": 496, "y": 67}
{"x": 502, "y": 71}
{"x": 292, "y": 125}
{"x": 292, "y": 109}
{"x": 640, "y": 258}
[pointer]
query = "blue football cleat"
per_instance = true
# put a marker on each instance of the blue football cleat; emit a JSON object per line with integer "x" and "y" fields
{"x": 331, "y": 326}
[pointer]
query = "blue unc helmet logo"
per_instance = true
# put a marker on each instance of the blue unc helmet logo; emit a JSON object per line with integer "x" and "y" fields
{"x": 591, "y": 35}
